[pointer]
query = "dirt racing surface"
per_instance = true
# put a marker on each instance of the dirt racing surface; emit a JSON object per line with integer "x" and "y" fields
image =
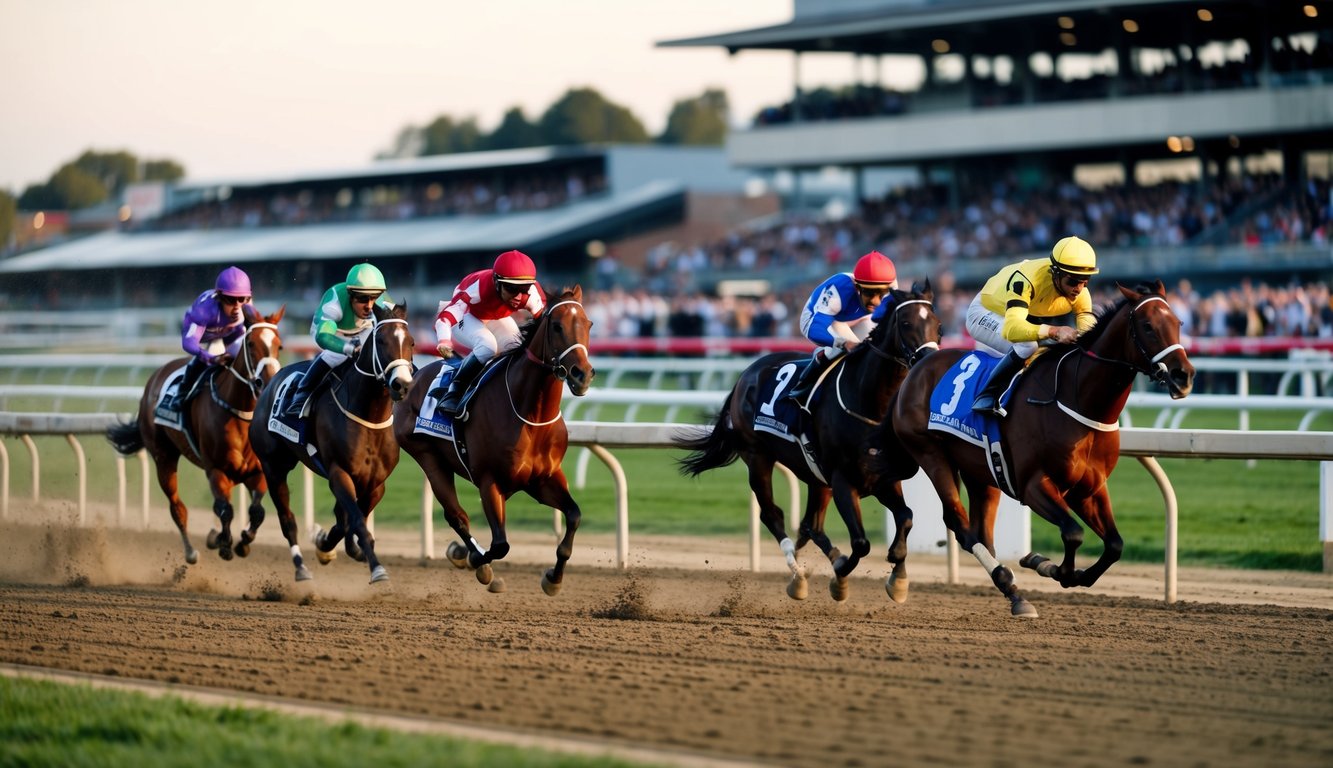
{"x": 690, "y": 653}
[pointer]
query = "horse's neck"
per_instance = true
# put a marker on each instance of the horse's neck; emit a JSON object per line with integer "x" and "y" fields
{"x": 535, "y": 392}
{"x": 875, "y": 379}
{"x": 363, "y": 395}
{"x": 1104, "y": 379}
{"x": 231, "y": 388}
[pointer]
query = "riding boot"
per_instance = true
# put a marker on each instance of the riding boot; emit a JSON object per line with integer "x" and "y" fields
{"x": 988, "y": 401}
{"x": 309, "y": 380}
{"x": 801, "y": 389}
{"x": 463, "y": 377}
{"x": 193, "y": 368}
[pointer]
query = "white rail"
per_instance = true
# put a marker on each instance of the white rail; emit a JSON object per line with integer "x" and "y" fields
{"x": 1145, "y": 444}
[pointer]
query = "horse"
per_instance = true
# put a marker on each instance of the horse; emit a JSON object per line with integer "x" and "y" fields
{"x": 1060, "y": 435}
{"x": 514, "y": 433}
{"x": 218, "y": 424}
{"x": 348, "y": 427}
{"x": 858, "y": 392}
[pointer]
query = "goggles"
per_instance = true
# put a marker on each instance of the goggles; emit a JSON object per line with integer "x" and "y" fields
{"x": 363, "y": 298}
{"x": 232, "y": 301}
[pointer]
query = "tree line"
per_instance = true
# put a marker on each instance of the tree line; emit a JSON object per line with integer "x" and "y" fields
{"x": 580, "y": 116}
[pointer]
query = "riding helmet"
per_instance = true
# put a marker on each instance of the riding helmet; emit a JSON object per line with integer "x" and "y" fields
{"x": 874, "y": 270}
{"x": 364, "y": 278}
{"x": 515, "y": 268}
{"x": 233, "y": 282}
{"x": 1074, "y": 256}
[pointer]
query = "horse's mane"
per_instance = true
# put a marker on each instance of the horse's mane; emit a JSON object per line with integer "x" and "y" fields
{"x": 528, "y": 330}
{"x": 1104, "y": 312}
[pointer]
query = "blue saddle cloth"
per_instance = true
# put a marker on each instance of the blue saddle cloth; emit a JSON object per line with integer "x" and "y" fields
{"x": 951, "y": 412}
{"x": 777, "y": 414}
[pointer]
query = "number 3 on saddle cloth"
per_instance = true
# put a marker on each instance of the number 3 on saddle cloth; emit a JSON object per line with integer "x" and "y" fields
{"x": 782, "y": 417}
{"x": 951, "y": 412}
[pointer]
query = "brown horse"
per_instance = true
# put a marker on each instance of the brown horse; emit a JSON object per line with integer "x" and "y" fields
{"x": 348, "y": 427}
{"x": 218, "y": 421}
{"x": 1060, "y": 438}
{"x": 857, "y": 394}
{"x": 514, "y": 434}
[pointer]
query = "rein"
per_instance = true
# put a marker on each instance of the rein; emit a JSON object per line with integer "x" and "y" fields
{"x": 379, "y": 372}
{"x": 250, "y": 379}
{"x": 905, "y": 362}
{"x": 1155, "y": 370}
{"x": 553, "y": 366}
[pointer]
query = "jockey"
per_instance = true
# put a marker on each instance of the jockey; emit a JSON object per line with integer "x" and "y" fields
{"x": 480, "y": 317}
{"x": 1028, "y": 304}
{"x": 213, "y": 326}
{"x": 837, "y": 316}
{"x": 344, "y": 317}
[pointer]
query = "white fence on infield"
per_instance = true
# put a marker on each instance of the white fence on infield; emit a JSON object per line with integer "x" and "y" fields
{"x": 1145, "y": 444}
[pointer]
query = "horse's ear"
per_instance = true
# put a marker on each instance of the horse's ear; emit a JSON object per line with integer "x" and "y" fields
{"x": 1161, "y": 288}
{"x": 923, "y": 290}
{"x": 577, "y": 293}
{"x": 399, "y": 310}
{"x": 276, "y": 317}
{"x": 1128, "y": 293}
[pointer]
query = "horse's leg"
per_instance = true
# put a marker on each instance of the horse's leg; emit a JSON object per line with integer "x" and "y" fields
{"x": 364, "y": 538}
{"x": 812, "y": 529}
{"x": 221, "y": 486}
{"x": 442, "y": 484}
{"x": 772, "y": 516}
{"x": 166, "y": 479}
{"x": 1096, "y": 512}
{"x": 848, "y": 502}
{"x": 478, "y": 557}
{"x": 975, "y": 534}
{"x": 275, "y": 478}
{"x": 1047, "y": 501}
{"x": 897, "y": 584}
{"x": 258, "y": 488}
{"x": 553, "y": 491}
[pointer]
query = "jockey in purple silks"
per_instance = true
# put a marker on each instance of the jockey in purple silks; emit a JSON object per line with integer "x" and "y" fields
{"x": 213, "y": 326}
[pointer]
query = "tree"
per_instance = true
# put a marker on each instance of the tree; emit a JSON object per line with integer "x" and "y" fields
{"x": 76, "y": 188}
{"x": 702, "y": 120}
{"x": 584, "y": 116}
{"x": 8, "y": 219}
{"x": 162, "y": 170}
{"x": 444, "y": 136}
{"x": 408, "y": 143}
{"x": 112, "y": 169}
{"x": 515, "y": 130}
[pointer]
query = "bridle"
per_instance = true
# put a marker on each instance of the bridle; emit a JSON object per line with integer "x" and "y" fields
{"x": 908, "y": 356}
{"x": 378, "y": 370}
{"x": 553, "y": 365}
{"x": 251, "y": 378}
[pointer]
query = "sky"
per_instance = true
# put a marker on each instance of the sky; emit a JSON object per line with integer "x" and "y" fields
{"x": 248, "y": 88}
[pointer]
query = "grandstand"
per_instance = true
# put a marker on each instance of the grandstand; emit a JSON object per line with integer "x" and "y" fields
{"x": 1024, "y": 104}
{"x": 425, "y": 221}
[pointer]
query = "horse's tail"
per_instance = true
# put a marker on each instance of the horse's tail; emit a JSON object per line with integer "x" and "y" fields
{"x": 125, "y": 438}
{"x": 709, "y": 450}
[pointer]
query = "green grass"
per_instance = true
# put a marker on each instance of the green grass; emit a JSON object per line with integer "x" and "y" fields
{"x": 1228, "y": 510}
{"x": 68, "y": 726}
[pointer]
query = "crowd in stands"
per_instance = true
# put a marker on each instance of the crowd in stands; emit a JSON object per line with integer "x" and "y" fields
{"x": 447, "y": 195}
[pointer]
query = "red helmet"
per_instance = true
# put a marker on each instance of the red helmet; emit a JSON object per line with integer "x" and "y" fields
{"x": 516, "y": 268}
{"x": 876, "y": 269}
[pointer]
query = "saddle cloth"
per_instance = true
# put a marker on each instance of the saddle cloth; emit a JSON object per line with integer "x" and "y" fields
{"x": 167, "y": 410}
{"x": 951, "y": 412}
{"x": 777, "y": 415}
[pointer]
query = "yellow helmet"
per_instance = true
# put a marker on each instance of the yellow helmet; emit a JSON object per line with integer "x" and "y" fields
{"x": 1074, "y": 256}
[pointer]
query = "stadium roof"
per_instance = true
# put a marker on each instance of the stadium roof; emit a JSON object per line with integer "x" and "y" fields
{"x": 455, "y": 234}
{"x": 1002, "y": 26}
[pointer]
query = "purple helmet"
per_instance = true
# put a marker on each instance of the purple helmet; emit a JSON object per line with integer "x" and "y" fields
{"x": 233, "y": 282}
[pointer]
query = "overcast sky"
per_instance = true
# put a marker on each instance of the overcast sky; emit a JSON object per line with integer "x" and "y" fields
{"x": 247, "y": 88}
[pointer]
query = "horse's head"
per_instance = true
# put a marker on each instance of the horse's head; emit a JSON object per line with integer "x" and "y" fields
{"x": 1154, "y": 330}
{"x": 257, "y": 362}
{"x": 387, "y": 356}
{"x": 561, "y": 341}
{"x": 909, "y": 328}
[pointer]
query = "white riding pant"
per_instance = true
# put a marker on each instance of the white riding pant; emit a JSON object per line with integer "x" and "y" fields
{"x": 985, "y": 327}
{"x": 487, "y": 338}
{"x": 856, "y": 330}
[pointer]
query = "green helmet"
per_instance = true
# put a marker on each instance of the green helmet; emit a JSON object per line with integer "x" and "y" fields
{"x": 364, "y": 277}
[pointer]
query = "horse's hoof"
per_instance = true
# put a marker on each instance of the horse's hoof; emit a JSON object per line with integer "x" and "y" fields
{"x": 484, "y": 574}
{"x": 192, "y": 557}
{"x": 838, "y": 588}
{"x": 1022, "y": 609}
{"x": 798, "y": 588}
{"x": 551, "y": 588}
{"x": 457, "y": 554}
{"x": 212, "y": 539}
{"x": 378, "y": 575}
{"x": 303, "y": 574}
{"x": 497, "y": 585}
{"x": 242, "y": 549}
{"x": 225, "y": 552}
{"x": 896, "y": 586}
{"x": 323, "y": 557}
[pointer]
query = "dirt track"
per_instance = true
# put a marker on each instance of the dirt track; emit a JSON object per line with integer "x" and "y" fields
{"x": 689, "y": 653}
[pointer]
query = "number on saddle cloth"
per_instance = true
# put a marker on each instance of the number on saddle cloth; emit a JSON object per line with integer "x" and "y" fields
{"x": 777, "y": 414}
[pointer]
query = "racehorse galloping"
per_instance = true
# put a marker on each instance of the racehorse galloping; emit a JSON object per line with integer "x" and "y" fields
{"x": 856, "y": 398}
{"x": 355, "y": 450}
{"x": 218, "y": 422}
{"x": 1060, "y": 437}
{"x": 515, "y": 436}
